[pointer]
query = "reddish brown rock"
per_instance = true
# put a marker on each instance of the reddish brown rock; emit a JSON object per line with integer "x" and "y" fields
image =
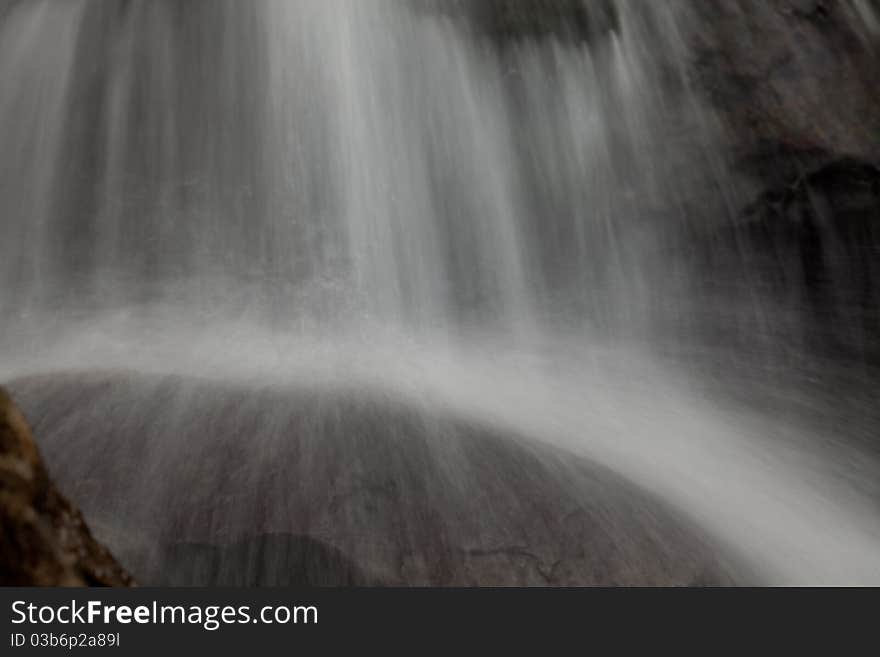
{"x": 44, "y": 540}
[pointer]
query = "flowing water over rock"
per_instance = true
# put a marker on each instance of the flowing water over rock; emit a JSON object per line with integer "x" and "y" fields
{"x": 371, "y": 287}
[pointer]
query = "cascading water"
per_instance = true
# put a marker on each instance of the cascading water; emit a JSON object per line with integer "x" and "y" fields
{"x": 373, "y": 197}
{"x": 361, "y": 153}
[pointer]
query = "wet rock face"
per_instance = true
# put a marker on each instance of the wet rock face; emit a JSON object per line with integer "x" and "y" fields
{"x": 795, "y": 85}
{"x": 795, "y": 81}
{"x": 258, "y": 560}
{"x": 509, "y": 21}
{"x": 811, "y": 249}
{"x": 824, "y": 230}
{"x": 44, "y": 540}
{"x": 230, "y": 483}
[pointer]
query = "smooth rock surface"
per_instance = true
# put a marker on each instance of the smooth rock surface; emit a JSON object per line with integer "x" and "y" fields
{"x": 201, "y": 482}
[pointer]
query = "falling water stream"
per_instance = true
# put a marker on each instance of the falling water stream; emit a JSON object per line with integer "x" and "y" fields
{"x": 373, "y": 197}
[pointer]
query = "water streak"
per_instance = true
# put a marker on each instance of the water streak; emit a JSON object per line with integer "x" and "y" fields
{"x": 364, "y": 195}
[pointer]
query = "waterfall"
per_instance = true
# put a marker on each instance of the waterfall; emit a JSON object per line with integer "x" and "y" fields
{"x": 365, "y": 161}
{"x": 378, "y": 196}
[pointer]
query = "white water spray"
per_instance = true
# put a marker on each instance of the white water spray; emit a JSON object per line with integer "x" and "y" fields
{"x": 360, "y": 195}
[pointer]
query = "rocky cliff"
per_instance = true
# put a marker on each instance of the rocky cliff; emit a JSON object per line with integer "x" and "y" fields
{"x": 796, "y": 82}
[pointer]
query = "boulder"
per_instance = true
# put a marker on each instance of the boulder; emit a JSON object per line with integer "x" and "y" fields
{"x": 207, "y": 482}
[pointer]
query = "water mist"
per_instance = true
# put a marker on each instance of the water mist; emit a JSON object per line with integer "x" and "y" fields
{"x": 263, "y": 259}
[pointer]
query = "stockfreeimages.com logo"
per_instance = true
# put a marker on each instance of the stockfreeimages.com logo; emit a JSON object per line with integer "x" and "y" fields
{"x": 210, "y": 617}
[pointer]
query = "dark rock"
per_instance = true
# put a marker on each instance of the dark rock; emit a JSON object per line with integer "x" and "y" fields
{"x": 262, "y": 560}
{"x": 44, "y": 540}
{"x": 796, "y": 81}
{"x": 506, "y": 21}
{"x": 812, "y": 247}
{"x": 208, "y": 482}
{"x": 829, "y": 223}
